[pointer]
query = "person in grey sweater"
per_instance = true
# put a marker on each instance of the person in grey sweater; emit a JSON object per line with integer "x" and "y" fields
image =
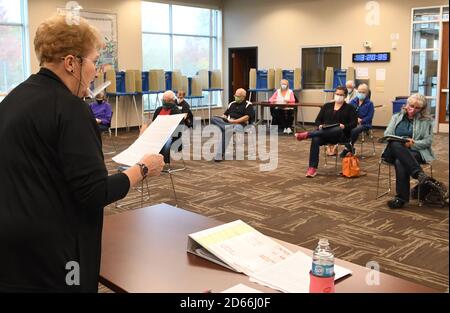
{"x": 413, "y": 123}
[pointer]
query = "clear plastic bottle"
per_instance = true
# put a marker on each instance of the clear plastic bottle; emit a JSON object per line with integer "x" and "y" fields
{"x": 323, "y": 260}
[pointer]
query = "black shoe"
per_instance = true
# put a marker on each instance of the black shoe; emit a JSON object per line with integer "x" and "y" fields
{"x": 343, "y": 153}
{"x": 396, "y": 203}
{"x": 218, "y": 159}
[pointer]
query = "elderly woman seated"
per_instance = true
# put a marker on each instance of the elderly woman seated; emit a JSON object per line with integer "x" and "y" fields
{"x": 414, "y": 123}
{"x": 283, "y": 117}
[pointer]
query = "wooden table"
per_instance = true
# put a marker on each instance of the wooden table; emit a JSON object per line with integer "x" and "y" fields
{"x": 144, "y": 250}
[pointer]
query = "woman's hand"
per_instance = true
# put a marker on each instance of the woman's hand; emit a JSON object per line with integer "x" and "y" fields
{"x": 320, "y": 126}
{"x": 154, "y": 163}
{"x": 342, "y": 126}
{"x": 410, "y": 143}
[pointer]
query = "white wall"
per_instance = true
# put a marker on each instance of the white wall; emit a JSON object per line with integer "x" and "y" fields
{"x": 280, "y": 28}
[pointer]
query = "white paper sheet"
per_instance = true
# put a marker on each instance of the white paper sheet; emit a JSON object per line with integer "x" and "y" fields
{"x": 291, "y": 274}
{"x": 241, "y": 246}
{"x": 241, "y": 288}
{"x": 151, "y": 141}
{"x": 380, "y": 74}
{"x": 362, "y": 72}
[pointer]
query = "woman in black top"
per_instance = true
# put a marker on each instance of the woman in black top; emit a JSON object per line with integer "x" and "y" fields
{"x": 54, "y": 180}
{"x": 335, "y": 121}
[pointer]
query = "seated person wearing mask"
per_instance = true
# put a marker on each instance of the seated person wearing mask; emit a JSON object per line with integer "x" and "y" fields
{"x": 283, "y": 117}
{"x": 238, "y": 114}
{"x": 102, "y": 112}
{"x": 184, "y": 107}
{"x": 365, "y": 110}
{"x": 340, "y": 116}
{"x": 350, "y": 85}
{"x": 414, "y": 123}
{"x": 169, "y": 107}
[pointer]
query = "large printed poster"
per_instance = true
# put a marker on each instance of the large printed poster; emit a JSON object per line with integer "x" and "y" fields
{"x": 106, "y": 23}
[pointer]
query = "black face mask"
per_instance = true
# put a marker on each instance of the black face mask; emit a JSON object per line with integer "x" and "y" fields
{"x": 99, "y": 101}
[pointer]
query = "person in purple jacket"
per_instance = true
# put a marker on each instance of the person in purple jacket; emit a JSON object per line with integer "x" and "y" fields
{"x": 102, "y": 112}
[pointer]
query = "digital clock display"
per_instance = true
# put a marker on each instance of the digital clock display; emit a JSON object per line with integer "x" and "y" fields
{"x": 372, "y": 57}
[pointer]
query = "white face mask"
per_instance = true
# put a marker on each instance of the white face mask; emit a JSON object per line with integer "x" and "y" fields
{"x": 349, "y": 90}
{"x": 338, "y": 99}
{"x": 179, "y": 100}
{"x": 284, "y": 86}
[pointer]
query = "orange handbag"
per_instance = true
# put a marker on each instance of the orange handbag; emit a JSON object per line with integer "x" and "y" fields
{"x": 350, "y": 166}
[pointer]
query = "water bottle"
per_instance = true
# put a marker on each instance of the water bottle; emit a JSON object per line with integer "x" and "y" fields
{"x": 323, "y": 260}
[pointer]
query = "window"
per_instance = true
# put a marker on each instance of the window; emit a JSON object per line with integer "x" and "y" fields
{"x": 425, "y": 53}
{"x": 13, "y": 43}
{"x": 314, "y": 63}
{"x": 184, "y": 38}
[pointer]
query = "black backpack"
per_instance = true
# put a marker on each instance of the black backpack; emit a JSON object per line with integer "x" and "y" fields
{"x": 432, "y": 192}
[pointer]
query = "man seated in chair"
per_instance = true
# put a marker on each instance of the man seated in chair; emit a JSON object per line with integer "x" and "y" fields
{"x": 335, "y": 121}
{"x": 168, "y": 107}
{"x": 414, "y": 123}
{"x": 102, "y": 112}
{"x": 238, "y": 114}
{"x": 184, "y": 107}
{"x": 365, "y": 110}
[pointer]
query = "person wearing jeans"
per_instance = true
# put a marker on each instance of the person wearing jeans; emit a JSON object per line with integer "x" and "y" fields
{"x": 338, "y": 113}
{"x": 413, "y": 123}
{"x": 234, "y": 119}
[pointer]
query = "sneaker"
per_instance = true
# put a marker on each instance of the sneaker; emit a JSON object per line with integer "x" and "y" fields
{"x": 285, "y": 131}
{"x": 288, "y": 131}
{"x": 311, "y": 172}
{"x": 396, "y": 203}
{"x": 301, "y": 136}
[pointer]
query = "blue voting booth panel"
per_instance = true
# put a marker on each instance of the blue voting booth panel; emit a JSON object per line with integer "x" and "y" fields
{"x": 261, "y": 79}
{"x": 289, "y": 76}
{"x": 189, "y": 86}
{"x": 397, "y": 105}
{"x": 145, "y": 86}
{"x": 120, "y": 81}
{"x": 168, "y": 80}
{"x": 340, "y": 77}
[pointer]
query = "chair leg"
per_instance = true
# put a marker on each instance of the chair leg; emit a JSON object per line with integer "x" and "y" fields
{"x": 378, "y": 196}
{"x": 173, "y": 188}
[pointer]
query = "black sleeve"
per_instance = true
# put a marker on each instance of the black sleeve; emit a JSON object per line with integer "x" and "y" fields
{"x": 319, "y": 118}
{"x": 227, "y": 111}
{"x": 156, "y": 113}
{"x": 81, "y": 158}
{"x": 250, "y": 112}
{"x": 351, "y": 117}
{"x": 190, "y": 116}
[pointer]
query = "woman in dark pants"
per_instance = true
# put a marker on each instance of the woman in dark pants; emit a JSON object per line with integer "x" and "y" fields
{"x": 336, "y": 112}
{"x": 414, "y": 123}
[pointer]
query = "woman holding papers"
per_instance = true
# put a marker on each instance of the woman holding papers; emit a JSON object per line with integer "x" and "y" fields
{"x": 413, "y": 123}
{"x": 335, "y": 122}
{"x": 55, "y": 183}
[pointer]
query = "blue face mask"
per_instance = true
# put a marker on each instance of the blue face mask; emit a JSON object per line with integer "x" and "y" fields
{"x": 361, "y": 96}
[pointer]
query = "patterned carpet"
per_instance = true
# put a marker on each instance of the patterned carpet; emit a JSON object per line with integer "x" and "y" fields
{"x": 411, "y": 243}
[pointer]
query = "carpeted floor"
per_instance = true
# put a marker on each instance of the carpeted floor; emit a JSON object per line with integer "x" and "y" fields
{"x": 411, "y": 243}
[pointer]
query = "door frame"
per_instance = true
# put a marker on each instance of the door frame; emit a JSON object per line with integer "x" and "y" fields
{"x": 230, "y": 65}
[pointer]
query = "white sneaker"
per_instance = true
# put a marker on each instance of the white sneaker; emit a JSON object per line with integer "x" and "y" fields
{"x": 285, "y": 131}
{"x": 289, "y": 131}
